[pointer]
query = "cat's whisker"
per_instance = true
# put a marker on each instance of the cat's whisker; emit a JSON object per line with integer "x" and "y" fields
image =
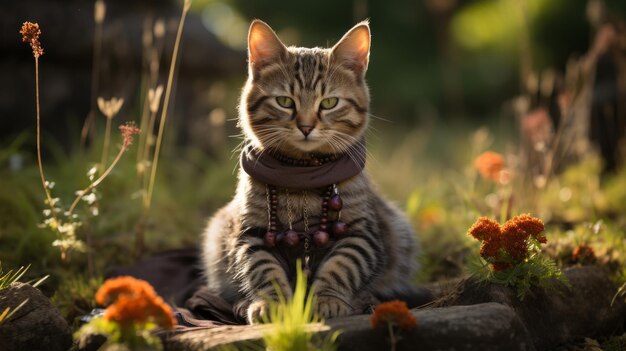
{"x": 379, "y": 118}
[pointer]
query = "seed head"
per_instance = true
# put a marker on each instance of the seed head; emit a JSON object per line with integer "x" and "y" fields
{"x": 30, "y": 34}
{"x": 128, "y": 131}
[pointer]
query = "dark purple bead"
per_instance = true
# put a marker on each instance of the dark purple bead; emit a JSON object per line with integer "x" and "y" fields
{"x": 335, "y": 203}
{"x": 340, "y": 228}
{"x": 280, "y": 237}
{"x": 320, "y": 238}
{"x": 270, "y": 239}
{"x": 291, "y": 238}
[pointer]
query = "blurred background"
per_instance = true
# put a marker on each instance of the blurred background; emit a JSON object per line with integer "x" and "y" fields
{"x": 541, "y": 82}
{"x": 432, "y": 61}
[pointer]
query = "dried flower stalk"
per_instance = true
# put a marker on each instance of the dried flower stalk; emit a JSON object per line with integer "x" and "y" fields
{"x": 128, "y": 131}
{"x": 168, "y": 91}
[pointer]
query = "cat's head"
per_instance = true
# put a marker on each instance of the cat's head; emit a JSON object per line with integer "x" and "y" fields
{"x": 299, "y": 101}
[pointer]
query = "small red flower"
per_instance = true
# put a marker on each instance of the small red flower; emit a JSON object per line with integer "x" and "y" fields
{"x": 393, "y": 312}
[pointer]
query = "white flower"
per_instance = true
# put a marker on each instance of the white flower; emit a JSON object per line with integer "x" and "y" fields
{"x": 110, "y": 107}
{"x": 90, "y": 199}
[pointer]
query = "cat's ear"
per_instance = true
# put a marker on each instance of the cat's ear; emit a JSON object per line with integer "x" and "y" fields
{"x": 263, "y": 45}
{"x": 353, "y": 49}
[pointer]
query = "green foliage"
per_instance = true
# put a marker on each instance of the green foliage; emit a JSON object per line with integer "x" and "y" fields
{"x": 122, "y": 337}
{"x": 616, "y": 343}
{"x": 536, "y": 271}
{"x": 10, "y": 277}
{"x": 291, "y": 320}
{"x": 74, "y": 296}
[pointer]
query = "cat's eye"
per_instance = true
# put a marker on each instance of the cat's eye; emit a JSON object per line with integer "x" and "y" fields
{"x": 285, "y": 101}
{"x": 329, "y": 103}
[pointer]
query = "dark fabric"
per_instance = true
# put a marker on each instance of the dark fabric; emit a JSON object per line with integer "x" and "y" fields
{"x": 176, "y": 275}
{"x": 269, "y": 170}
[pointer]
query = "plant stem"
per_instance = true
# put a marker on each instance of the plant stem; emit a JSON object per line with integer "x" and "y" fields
{"x": 43, "y": 178}
{"x": 89, "y": 125}
{"x": 392, "y": 337}
{"x": 146, "y": 153}
{"x": 97, "y": 181}
{"x": 168, "y": 90}
{"x": 105, "y": 146}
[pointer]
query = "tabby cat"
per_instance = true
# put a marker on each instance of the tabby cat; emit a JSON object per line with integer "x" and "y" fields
{"x": 303, "y": 109}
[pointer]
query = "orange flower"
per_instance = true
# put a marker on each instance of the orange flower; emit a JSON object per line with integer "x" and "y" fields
{"x": 583, "y": 254}
{"x": 511, "y": 238}
{"x": 484, "y": 229}
{"x": 490, "y": 165}
{"x": 529, "y": 224}
{"x": 133, "y": 301}
{"x": 393, "y": 312}
{"x": 30, "y": 34}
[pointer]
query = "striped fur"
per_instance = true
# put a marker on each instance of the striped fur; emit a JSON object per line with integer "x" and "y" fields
{"x": 378, "y": 256}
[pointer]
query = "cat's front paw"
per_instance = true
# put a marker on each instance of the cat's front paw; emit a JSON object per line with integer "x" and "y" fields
{"x": 330, "y": 307}
{"x": 257, "y": 311}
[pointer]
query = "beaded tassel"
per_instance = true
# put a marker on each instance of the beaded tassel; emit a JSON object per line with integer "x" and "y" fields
{"x": 331, "y": 201}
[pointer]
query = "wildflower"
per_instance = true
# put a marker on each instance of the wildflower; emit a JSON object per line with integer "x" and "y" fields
{"x": 490, "y": 165}
{"x": 583, "y": 254}
{"x": 30, "y": 34}
{"x": 504, "y": 245}
{"x": 159, "y": 28}
{"x": 99, "y": 11}
{"x": 110, "y": 107}
{"x": 537, "y": 128}
{"x": 133, "y": 301}
{"x": 154, "y": 97}
{"x": 128, "y": 130}
{"x": 395, "y": 313}
{"x": 528, "y": 225}
{"x": 484, "y": 228}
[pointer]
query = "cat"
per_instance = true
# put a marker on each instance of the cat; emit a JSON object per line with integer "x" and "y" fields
{"x": 304, "y": 111}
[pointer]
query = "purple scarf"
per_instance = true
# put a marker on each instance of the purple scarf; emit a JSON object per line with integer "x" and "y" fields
{"x": 268, "y": 170}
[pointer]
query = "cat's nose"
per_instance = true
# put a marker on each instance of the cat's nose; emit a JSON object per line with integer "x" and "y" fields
{"x": 306, "y": 130}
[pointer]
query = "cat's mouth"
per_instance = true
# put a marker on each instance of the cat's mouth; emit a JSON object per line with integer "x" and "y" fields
{"x": 308, "y": 144}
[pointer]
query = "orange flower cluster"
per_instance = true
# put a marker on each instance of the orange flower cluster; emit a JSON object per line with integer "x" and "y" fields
{"x": 393, "y": 312}
{"x": 584, "y": 254}
{"x": 30, "y": 34}
{"x": 490, "y": 165}
{"x": 509, "y": 239}
{"x": 133, "y": 301}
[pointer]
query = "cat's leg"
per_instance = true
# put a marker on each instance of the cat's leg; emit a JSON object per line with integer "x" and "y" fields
{"x": 347, "y": 270}
{"x": 259, "y": 274}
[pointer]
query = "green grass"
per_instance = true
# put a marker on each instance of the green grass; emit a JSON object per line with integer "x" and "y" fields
{"x": 291, "y": 320}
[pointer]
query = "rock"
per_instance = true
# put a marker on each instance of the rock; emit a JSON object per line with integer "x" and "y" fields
{"x": 489, "y": 326}
{"x": 37, "y": 325}
{"x": 556, "y": 317}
